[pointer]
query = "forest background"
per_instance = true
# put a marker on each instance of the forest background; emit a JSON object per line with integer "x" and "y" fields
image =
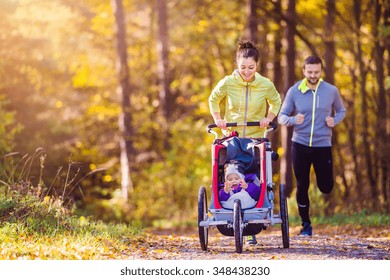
{"x": 104, "y": 104}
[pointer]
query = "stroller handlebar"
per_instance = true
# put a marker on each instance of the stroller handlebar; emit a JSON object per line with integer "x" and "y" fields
{"x": 273, "y": 126}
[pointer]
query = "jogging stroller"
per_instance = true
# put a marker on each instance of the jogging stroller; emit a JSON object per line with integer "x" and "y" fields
{"x": 239, "y": 221}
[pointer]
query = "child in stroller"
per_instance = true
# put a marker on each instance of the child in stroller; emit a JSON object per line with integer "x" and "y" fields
{"x": 239, "y": 186}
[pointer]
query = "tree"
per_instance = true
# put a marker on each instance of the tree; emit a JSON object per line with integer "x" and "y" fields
{"x": 124, "y": 89}
{"x": 363, "y": 71}
{"x": 252, "y": 25}
{"x": 163, "y": 71}
{"x": 329, "y": 57}
{"x": 382, "y": 40}
{"x": 286, "y": 132}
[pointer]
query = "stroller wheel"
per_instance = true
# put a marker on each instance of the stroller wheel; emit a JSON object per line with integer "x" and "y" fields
{"x": 202, "y": 216}
{"x": 238, "y": 225}
{"x": 284, "y": 216}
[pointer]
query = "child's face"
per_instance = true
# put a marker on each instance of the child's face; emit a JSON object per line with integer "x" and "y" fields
{"x": 233, "y": 179}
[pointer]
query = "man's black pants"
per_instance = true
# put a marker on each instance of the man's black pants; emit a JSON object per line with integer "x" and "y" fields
{"x": 303, "y": 158}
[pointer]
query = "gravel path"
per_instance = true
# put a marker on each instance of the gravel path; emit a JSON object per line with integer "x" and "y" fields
{"x": 327, "y": 243}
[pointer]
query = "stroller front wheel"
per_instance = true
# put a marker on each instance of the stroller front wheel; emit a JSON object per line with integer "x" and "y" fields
{"x": 284, "y": 216}
{"x": 202, "y": 216}
{"x": 237, "y": 225}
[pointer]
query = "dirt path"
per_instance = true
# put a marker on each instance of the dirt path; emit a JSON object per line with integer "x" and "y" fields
{"x": 327, "y": 243}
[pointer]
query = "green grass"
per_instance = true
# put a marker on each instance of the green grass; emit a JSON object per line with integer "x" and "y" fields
{"x": 34, "y": 225}
{"x": 34, "y": 228}
{"x": 363, "y": 218}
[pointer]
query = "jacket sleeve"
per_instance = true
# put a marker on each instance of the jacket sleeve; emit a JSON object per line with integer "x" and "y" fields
{"x": 253, "y": 190}
{"x": 217, "y": 94}
{"x": 274, "y": 100}
{"x": 223, "y": 196}
{"x": 339, "y": 108}
{"x": 287, "y": 109}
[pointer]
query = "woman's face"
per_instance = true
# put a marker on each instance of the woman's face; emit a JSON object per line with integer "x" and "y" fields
{"x": 247, "y": 68}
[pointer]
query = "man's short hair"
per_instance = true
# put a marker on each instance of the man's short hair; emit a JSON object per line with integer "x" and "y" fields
{"x": 313, "y": 59}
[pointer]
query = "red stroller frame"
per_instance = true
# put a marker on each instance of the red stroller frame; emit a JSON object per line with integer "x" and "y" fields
{"x": 217, "y": 150}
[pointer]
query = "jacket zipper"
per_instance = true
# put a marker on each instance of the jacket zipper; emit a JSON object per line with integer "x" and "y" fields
{"x": 246, "y": 108}
{"x": 312, "y": 117}
{"x": 315, "y": 100}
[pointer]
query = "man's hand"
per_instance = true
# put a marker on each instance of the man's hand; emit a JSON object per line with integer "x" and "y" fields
{"x": 299, "y": 118}
{"x": 329, "y": 121}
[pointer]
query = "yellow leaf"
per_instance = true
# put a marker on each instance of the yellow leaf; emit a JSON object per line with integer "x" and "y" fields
{"x": 83, "y": 221}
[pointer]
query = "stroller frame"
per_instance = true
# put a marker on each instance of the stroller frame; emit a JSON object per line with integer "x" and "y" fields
{"x": 239, "y": 222}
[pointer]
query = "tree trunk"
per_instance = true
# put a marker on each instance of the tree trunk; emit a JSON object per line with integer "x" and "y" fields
{"x": 259, "y": 37}
{"x": 277, "y": 75}
{"x": 286, "y": 132}
{"x": 329, "y": 58}
{"x": 125, "y": 128}
{"x": 330, "y": 52}
{"x": 358, "y": 176}
{"x": 251, "y": 30}
{"x": 163, "y": 70}
{"x": 386, "y": 171}
{"x": 364, "y": 109}
{"x": 277, "y": 70}
{"x": 383, "y": 154}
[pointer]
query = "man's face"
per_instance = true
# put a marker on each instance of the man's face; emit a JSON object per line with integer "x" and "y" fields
{"x": 312, "y": 72}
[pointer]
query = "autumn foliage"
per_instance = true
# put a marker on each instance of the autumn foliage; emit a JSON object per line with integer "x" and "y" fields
{"x": 59, "y": 91}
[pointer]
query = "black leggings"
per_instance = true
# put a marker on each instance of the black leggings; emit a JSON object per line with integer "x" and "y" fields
{"x": 321, "y": 159}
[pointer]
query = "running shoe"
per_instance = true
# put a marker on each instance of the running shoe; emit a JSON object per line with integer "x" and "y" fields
{"x": 251, "y": 240}
{"x": 306, "y": 230}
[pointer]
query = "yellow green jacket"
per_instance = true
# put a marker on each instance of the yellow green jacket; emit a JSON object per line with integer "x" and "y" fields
{"x": 240, "y": 101}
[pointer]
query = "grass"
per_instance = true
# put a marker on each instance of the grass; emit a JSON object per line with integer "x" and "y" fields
{"x": 363, "y": 218}
{"x": 34, "y": 225}
{"x": 34, "y": 229}
{"x": 31, "y": 228}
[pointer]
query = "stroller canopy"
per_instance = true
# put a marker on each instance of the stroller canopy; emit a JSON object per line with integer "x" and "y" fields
{"x": 242, "y": 151}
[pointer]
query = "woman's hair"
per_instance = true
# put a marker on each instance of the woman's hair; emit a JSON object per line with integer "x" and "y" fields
{"x": 247, "y": 49}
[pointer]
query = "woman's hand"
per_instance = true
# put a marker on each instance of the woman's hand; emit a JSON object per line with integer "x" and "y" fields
{"x": 221, "y": 123}
{"x": 264, "y": 122}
